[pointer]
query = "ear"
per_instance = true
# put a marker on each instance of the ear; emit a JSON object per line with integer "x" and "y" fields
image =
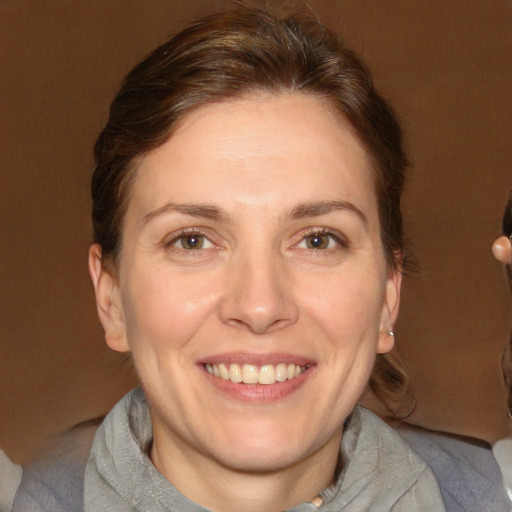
{"x": 502, "y": 250}
{"x": 390, "y": 311}
{"x": 108, "y": 301}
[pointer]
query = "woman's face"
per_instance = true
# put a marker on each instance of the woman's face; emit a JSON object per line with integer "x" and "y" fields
{"x": 251, "y": 251}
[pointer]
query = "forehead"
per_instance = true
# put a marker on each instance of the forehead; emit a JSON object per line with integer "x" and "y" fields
{"x": 266, "y": 147}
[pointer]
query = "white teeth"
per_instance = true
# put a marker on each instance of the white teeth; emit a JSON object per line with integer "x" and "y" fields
{"x": 224, "y": 374}
{"x": 235, "y": 373}
{"x": 252, "y": 374}
{"x": 267, "y": 375}
{"x": 281, "y": 372}
{"x": 249, "y": 374}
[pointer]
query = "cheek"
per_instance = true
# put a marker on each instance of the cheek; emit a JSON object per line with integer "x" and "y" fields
{"x": 164, "y": 310}
{"x": 348, "y": 306}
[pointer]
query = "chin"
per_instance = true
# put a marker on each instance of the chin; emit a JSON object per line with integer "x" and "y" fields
{"x": 262, "y": 451}
{"x": 263, "y": 462}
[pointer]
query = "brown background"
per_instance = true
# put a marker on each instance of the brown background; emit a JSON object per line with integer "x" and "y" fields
{"x": 446, "y": 65}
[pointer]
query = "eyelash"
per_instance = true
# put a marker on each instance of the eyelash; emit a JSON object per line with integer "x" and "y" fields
{"x": 337, "y": 237}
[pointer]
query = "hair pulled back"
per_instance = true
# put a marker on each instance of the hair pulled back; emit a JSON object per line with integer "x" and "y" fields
{"x": 234, "y": 54}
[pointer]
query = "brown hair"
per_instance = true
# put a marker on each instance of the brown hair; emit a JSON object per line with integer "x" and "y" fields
{"x": 233, "y": 54}
{"x": 506, "y": 356}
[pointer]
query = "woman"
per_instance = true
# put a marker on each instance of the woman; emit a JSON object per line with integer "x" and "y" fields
{"x": 502, "y": 246}
{"x": 248, "y": 254}
{"x": 502, "y": 251}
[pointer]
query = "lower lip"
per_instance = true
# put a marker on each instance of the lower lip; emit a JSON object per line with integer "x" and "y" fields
{"x": 259, "y": 393}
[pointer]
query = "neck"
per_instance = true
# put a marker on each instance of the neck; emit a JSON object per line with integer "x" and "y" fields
{"x": 224, "y": 489}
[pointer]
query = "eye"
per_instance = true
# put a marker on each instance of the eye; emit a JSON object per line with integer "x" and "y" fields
{"x": 191, "y": 242}
{"x": 320, "y": 240}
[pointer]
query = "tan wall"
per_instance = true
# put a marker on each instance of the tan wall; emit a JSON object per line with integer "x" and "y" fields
{"x": 446, "y": 65}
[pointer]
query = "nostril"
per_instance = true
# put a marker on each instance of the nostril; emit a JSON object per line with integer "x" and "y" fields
{"x": 261, "y": 320}
{"x": 257, "y": 296}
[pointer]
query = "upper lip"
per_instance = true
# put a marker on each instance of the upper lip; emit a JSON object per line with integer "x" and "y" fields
{"x": 256, "y": 359}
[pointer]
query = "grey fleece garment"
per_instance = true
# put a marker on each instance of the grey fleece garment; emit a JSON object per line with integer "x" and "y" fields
{"x": 380, "y": 472}
{"x": 468, "y": 474}
{"x": 55, "y": 481}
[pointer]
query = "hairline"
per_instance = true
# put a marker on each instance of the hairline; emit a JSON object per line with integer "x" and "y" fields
{"x": 251, "y": 92}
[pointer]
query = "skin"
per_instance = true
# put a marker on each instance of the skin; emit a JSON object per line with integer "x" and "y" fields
{"x": 502, "y": 250}
{"x": 267, "y": 173}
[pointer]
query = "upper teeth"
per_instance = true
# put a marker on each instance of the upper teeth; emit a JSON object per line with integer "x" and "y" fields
{"x": 252, "y": 374}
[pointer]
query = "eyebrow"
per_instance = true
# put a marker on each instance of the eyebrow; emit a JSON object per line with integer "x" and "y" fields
{"x": 317, "y": 209}
{"x": 194, "y": 210}
{"x": 301, "y": 211}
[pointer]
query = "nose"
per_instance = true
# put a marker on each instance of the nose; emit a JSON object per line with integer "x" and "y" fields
{"x": 259, "y": 295}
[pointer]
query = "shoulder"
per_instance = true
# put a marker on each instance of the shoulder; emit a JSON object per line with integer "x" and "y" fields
{"x": 10, "y": 479}
{"x": 468, "y": 474}
{"x": 392, "y": 449}
{"x": 54, "y": 482}
{"x": 381, "y": 472}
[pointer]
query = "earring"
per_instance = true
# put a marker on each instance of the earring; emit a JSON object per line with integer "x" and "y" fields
{"x": 391, "y": 333}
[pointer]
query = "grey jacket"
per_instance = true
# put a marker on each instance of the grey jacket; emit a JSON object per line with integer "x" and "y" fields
{"x": 380, "y": 473}
{"x": 468, "y": 474}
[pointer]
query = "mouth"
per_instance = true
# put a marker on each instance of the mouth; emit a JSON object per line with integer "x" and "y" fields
{"x": 265, "y": 374}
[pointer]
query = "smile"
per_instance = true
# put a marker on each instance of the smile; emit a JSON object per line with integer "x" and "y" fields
{"x": 252, "y": 374}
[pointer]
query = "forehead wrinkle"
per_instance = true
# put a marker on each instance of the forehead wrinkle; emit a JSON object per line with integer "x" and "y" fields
{"x": 319, "y": 208}
{"x": 205, "y": 211}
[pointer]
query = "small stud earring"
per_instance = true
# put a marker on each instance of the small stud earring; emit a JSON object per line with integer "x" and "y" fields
{"x": 391, "y": 333}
